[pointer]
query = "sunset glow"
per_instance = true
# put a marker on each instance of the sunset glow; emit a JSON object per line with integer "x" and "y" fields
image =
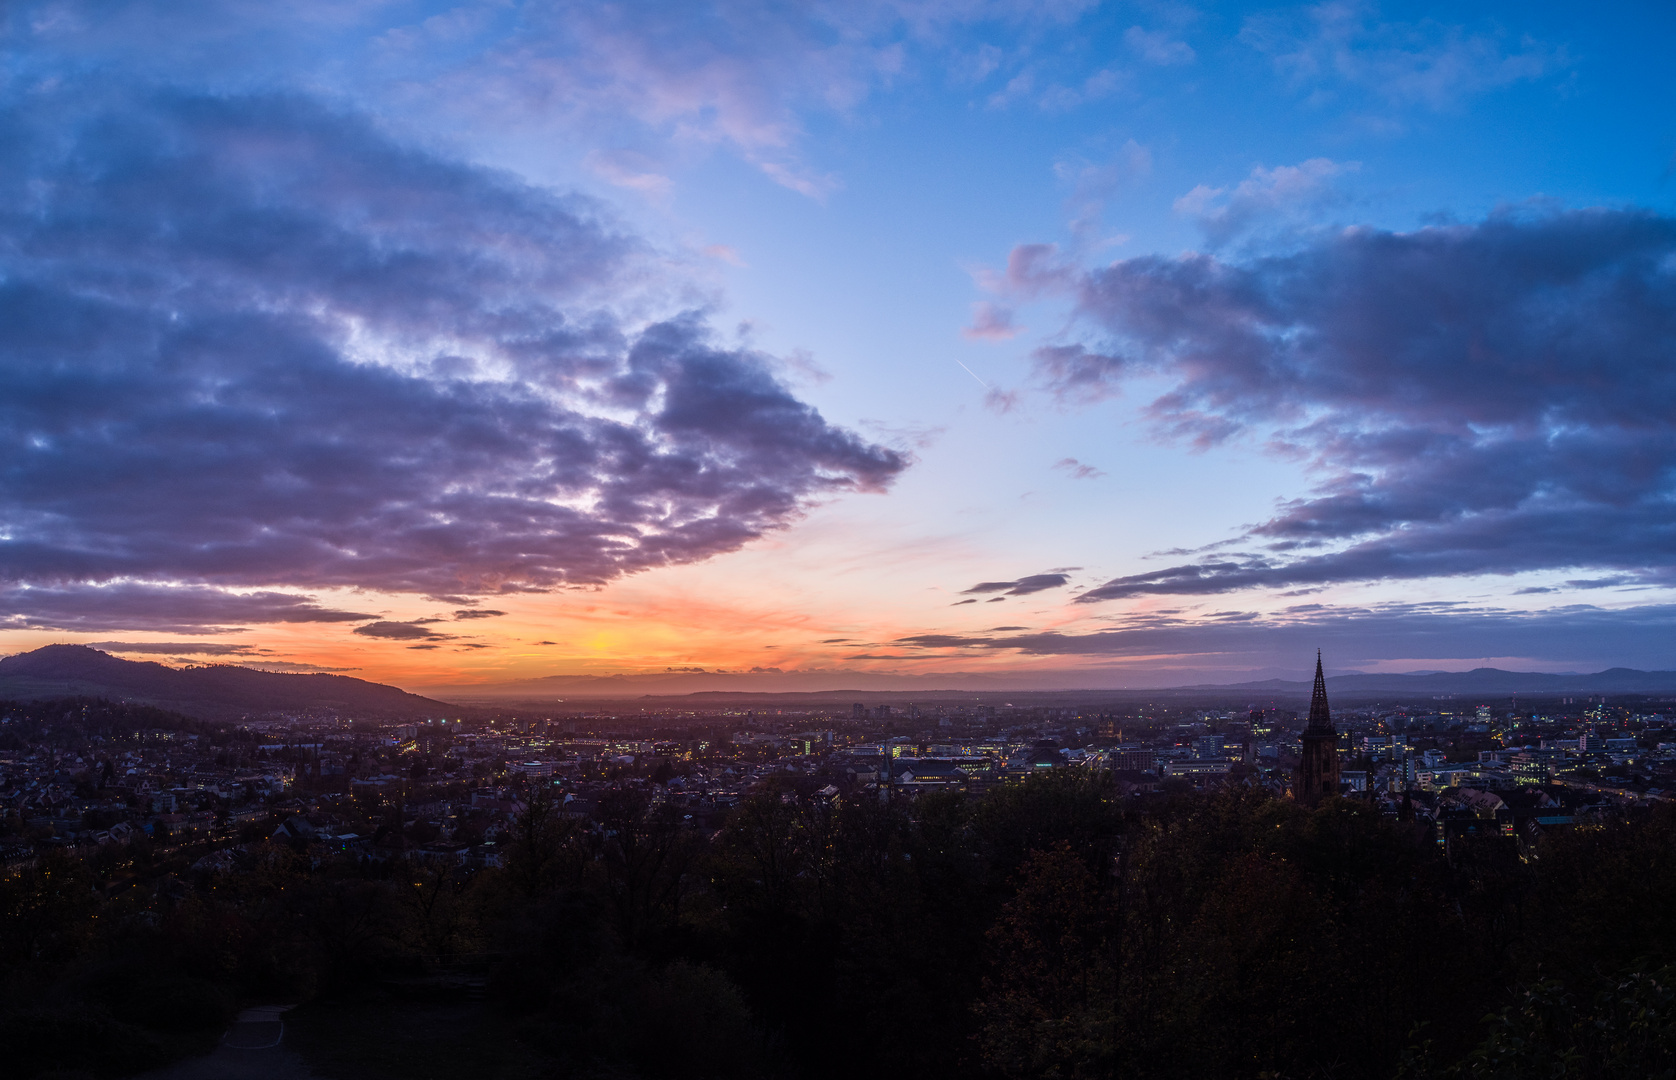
{"x": 1070, "y": 345}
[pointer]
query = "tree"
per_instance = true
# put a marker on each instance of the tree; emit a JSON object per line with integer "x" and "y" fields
{"x": 1048, "y": 1006}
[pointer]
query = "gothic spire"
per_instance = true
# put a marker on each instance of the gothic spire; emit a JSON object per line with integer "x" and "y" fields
{"x": 1320, "y": 718}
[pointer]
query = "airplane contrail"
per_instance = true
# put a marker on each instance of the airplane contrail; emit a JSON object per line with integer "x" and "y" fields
{"x": 974, "y": 375}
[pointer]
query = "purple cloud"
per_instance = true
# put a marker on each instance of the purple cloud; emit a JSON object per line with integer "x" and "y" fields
{"x": 991, "y": 322}
{"x": 1637, "y": 636}
{"x": 176, "y": 609}
{"x": 177, "y": 648}
{"x": 1024, "y": 586}
{"x": 401, "y": 631}
{"x": 249, "y": 341}
{"x": 1078, "y": 470}
{"x": 288, "y": 667}
{"x": 1488, "y": 398}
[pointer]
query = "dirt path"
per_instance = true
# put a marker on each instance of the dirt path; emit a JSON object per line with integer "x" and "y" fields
{"x": 253, "y": 1049}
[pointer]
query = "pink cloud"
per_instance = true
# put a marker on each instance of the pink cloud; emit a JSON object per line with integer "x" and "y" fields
{"x": 990, "y": 322}
{"x": 1078, "y": 470}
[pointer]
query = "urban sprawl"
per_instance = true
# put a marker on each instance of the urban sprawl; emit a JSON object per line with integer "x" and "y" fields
{"x": 89, "y": 779}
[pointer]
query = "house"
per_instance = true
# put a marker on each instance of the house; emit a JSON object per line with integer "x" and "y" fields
{"x": 294, "y": 828}
{"x": 928, "y": 771}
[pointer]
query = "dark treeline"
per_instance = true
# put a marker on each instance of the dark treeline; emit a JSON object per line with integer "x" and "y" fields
{"x": 66, "y": 721}
{"x": 1048, "y": 929}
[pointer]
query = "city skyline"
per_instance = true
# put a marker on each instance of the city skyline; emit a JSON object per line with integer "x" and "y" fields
{"x": 1086, "y": 345}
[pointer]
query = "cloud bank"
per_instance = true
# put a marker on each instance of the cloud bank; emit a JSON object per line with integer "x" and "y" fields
{"x": 250, "y": 341}
{"x": 1584, "y": 634}
{"x": 164, "y": 608}
{"x": 1488, "y": 398}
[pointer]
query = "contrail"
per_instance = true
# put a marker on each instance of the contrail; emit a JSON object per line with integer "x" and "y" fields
{"x": 974, "y": 375}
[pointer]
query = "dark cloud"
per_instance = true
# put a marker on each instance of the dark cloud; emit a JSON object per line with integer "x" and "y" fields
{"x": 287, "y": 667}
{"x": 424, "y": 646}
{"x": 1024, "y": 586}
{"x": 400, "y": 631}
{"x": 1637, "y": 637}
{"x": 1487, "y": 398}
{"x": 172, "y": 648}
{"x": 478, "y": 613}
{"x": 958, "y": 603}
{"x": 180, "y": 609}
{"x": 1601, "y": 583}
{"x": 250, "y": 341}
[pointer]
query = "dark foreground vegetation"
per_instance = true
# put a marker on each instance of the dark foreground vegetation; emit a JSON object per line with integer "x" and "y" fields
{"x": 1049, "y": 929}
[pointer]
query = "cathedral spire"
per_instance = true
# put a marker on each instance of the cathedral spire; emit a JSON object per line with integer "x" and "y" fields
{"x": 1318, "y": 771}
{"x": 1320, "y": 718}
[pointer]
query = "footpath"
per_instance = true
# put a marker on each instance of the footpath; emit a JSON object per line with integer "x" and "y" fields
{"x": 252, "y": 1049}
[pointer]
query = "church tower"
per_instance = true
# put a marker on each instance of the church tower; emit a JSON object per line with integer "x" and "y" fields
{"x": 1318, "y": 771}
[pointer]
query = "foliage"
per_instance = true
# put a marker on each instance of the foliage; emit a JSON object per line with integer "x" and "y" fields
{"x": 1048, "y": 929}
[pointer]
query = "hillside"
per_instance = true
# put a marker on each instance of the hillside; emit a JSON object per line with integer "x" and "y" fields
{"x": 215, "y": 692}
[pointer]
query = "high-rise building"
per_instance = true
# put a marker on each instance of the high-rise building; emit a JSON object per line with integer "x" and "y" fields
{"x": 1318, "y": 770}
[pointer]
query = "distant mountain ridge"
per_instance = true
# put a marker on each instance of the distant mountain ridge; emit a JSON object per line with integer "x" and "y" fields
{"x": 226, "y": 692}
{"x": 679, "y": 683}
{"x": 1478, "y": 681}
{"x": 672, "y": 685}
{"x": 214, "y": 692}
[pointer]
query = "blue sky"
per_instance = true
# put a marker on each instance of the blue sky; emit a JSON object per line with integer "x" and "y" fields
{"x": 1263, "y": 317}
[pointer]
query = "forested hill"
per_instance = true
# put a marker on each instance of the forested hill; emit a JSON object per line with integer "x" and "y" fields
{"x": 214, "y": 692}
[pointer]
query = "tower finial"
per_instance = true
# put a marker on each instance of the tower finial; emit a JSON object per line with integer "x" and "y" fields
{"x": 1320, "y": 717}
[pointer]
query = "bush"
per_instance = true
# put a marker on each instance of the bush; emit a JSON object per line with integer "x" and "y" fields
{"x": 38, "y": 1043}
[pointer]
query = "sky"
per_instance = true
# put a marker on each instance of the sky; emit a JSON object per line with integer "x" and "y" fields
{"x": 1078, "y": 344}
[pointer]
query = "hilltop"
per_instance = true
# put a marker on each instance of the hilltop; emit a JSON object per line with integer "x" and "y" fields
{"x": 212, "y": 692}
